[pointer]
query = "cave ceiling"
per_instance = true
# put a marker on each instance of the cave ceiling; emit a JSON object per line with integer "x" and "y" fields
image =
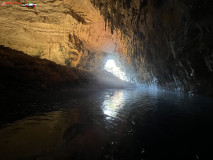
{"x": 166, "y": 42}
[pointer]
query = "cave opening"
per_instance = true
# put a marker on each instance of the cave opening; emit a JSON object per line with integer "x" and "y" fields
{"x": 106, "y": 79}
{"x": 115, "y": 69}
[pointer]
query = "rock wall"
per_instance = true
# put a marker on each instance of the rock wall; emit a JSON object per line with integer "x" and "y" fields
{"x": 63, "y": 31}
{"x": 168, "y": 42}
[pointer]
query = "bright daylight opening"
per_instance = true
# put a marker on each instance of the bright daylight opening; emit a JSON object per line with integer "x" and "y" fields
{"x": 110, "y": 66}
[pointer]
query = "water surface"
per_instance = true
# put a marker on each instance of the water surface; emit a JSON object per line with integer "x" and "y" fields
{"x": 132, "y": 124}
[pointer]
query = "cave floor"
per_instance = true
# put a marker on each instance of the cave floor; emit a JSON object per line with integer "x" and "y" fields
{"x": 127, "y": 124}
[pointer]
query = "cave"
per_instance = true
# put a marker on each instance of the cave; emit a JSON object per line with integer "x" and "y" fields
{"x": 112, "y": 67}
{"x": 106, "y": 80}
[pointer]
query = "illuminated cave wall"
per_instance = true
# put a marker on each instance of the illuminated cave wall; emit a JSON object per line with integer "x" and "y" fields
{"x": 65, "y": 32}
{"x": 167, "y": 41}
{"x": 69, "y": 32}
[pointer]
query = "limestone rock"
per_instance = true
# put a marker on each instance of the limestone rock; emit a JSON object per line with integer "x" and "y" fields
{"x": 61, "y": 31}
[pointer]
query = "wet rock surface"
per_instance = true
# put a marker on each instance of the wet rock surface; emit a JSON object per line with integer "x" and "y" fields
{"x": 168, "y": 42}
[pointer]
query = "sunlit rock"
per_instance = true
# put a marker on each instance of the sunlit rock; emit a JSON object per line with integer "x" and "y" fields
{"x": 165, "y": 43}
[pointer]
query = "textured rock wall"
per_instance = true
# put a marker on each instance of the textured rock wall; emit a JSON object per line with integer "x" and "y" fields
{"x": 168, "y": 42}
{"x": 63, "y": 31}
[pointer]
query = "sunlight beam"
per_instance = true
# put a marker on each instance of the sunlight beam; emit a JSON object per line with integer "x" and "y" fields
{"x": 111, "y": 67}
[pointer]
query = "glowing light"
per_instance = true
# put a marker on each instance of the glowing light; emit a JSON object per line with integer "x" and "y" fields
{"x": 113, "y": 103}
{"x": 110, "y": 66}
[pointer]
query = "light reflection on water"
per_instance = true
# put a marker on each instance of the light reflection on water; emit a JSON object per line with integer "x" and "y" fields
{"x": 113, "y": 124}
{"x": 113, "y": 103}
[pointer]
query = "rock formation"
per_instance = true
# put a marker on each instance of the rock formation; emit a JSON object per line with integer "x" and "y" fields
{"x": 165, "y": 42}
{"x": 21, "y": 72}
{"x": 168, "y": 42}
{"x": 61, "y": 31}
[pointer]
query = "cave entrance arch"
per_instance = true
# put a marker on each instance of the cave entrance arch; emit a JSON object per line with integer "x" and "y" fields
{"x": 115, "y": 68}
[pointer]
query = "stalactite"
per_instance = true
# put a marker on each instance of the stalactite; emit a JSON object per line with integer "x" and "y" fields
{"x": 146, "y": 32}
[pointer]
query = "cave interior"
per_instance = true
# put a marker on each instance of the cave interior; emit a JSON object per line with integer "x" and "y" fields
{"x": 105, "y": 51}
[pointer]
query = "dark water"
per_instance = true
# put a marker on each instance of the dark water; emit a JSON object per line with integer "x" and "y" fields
{"x": 108, "y": 125}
